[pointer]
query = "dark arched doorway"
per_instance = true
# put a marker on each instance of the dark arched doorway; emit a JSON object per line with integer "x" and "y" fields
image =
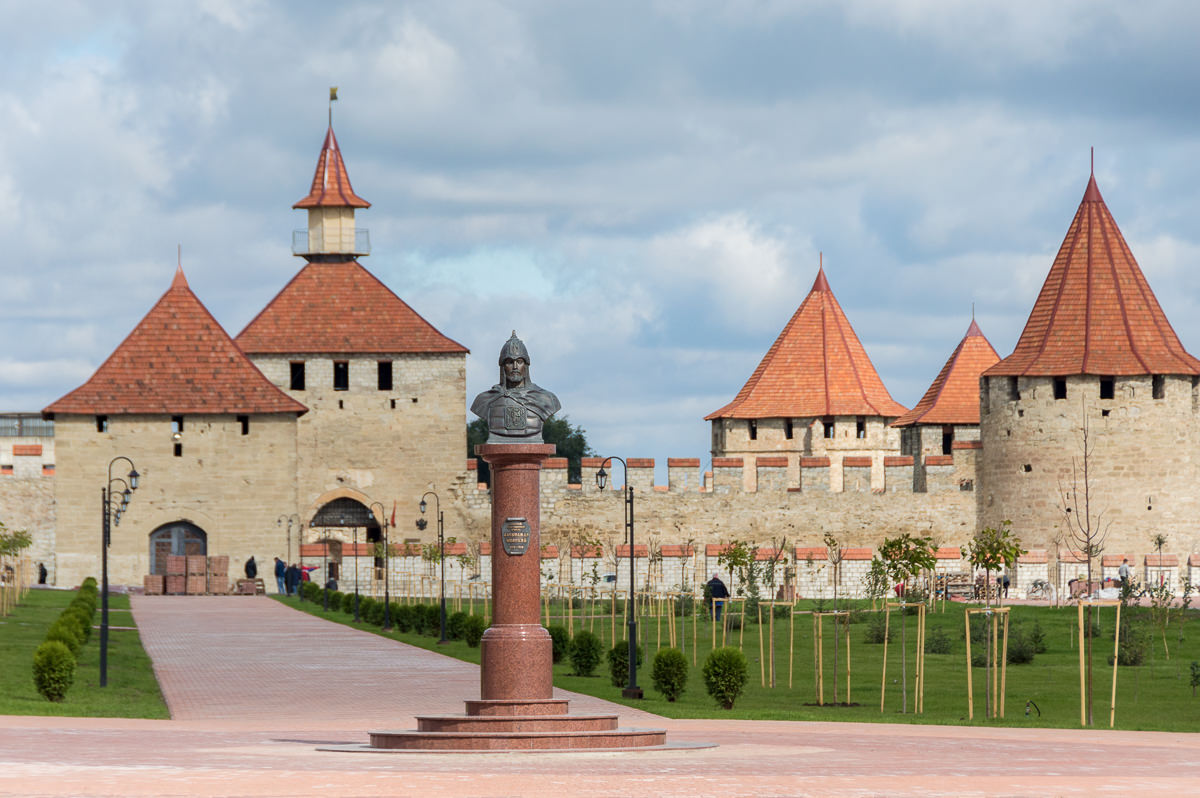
{"x": 350, "y": 514}
{"x": 177, "y": 537}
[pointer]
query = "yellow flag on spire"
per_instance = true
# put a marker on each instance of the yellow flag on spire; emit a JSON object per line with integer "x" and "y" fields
{"x": 332, "y": 93}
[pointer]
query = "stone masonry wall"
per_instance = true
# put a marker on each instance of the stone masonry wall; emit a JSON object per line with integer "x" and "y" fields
{"x": 233, "y": 486}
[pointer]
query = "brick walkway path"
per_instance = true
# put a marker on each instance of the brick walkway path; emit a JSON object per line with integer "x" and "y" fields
{"x": 252, "y": 698}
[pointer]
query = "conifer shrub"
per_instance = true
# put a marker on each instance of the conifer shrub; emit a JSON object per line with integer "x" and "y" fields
{"x": 455, "y": 625}
{"x": 348, "y": 603}
{"x": 335, "y": 600}
{"x": 66, "y": 631}
{"x": 82, "y": 618}
{"x": 669, "y": 672}
{"x": 938, "y": 642}
{"x": 585, "y": 653}
{"x": 402, "y": 616}
{"x": 433, "y": 619}
{"x": 53, "y": 670}
{"x": 725, "y": 675}
{"x": 473, "y": 630}
{"x": 618, "y": 662}
{"x": 877, "y": 627}
{"x": 560, "y": 639}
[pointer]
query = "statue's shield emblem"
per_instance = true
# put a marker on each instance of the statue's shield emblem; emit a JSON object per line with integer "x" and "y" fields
{"x": 514, "y": 417}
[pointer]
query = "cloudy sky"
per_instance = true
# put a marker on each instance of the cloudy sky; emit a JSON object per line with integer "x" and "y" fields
{"x": 640, "y": 188}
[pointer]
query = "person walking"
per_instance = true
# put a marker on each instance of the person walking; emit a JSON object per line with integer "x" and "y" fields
{"x": 280, "y": 573}
{"x": 716, "y": 590}
{"x": 291, "y": 578}
{"x": 1123, "y": 572}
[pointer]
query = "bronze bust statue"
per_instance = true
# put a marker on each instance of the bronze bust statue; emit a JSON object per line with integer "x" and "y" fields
{"x": 515, "y": 409}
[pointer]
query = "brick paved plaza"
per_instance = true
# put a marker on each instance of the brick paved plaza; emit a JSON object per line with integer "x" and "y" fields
{"x": 252, "y": 699}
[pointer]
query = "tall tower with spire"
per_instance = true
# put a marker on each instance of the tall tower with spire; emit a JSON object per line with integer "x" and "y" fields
{"x": 1096, "y": 351}
{"x": 385, "y": 390}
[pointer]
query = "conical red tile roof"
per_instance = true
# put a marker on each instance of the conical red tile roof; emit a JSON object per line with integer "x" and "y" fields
{"x": 331, "y": 183}
{"x": 816, "y": 367}
{"x": 340, "y": 308}
{"x": 953, "y": 398}
{"x": 178, "y": 360}
{"x": 1096, "y": 313}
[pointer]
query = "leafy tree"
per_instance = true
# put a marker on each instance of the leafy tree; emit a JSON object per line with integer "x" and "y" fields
{"x": 905, "y": 557}
{"x": 571, "y": 441}
{"x": 994, "y": 548}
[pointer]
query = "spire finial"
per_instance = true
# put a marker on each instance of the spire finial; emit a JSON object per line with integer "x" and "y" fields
{"x": 972, "y": 311}
{"x": 1093, "y": 161}
{"x": 332, "y": 100}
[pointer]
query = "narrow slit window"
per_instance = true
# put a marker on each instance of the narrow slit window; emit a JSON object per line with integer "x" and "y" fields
{"x": 179, "y": 450}
{"x": 1158, "y": 386}
{"x": 385, "y": 375}
{"x": 101, "y": 423}
{"x": 827, "y": 423}
{"x": 341, "y": 375}
{"x": 1014, "y": 390}
{"x": 1107, "y": 387}
{"x": 297, "y": 376}
{"x": 1060, "y": 387}
{"x": 788, "y": 429}
{"x": 947, "y": 440}
{"x": 176, "y": 424}
{"x": 860, "y": 427}
{"x": 244, "y": 421}
{"x": 753, "y": 427}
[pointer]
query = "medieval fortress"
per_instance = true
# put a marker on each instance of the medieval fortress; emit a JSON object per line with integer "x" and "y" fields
{"x": 298, "y": 436}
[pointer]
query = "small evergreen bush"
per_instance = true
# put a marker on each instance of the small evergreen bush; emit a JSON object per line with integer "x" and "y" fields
{"x": 66, "y": 631}
{"x": 402, "y": 616}
{"x": 875, "y": 629}
{"x": 53, "y": 670}
{"x": 366, "y": 606}
{"x": 82, "y": 618}
{"x": 725, "y": 675}
{"x": 473, "y": 630}
{"x": 618, "y": 662}
{"x": 585, "y": 652}
{"x": 938, "y": 642}
{"x": 348, "y": 603}
{"x": 433, "y": 619}
{"x": 669, "y": 672}
{"x": 455, "y": 624}
{"x": 560, "y": 639}
{"x": 1021, "y": 648}
{"x": 335, "y": 600}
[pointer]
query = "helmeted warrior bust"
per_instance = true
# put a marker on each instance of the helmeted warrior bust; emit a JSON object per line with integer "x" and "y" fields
{"x": 515, "y": 409}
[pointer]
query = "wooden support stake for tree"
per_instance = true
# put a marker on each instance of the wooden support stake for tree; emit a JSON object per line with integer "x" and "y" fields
{"x": 791, "y": 644}
{"x": 762, "y": 663}
{"x": 887, "y": 620}
{"x": 1082, "y": 674}
{"x": 970, "y": 686}
{"x": 1112, "y": 707}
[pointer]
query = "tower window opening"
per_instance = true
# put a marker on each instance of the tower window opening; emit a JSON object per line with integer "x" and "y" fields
{"x": 788, "y": 430}
{"x": 1104, "y": 413}
{"x": 176, "y": 424}
{"x": 1107, "y": 387}
{"x": 827, "y": 423}
{"x": 1027, "y": 468}
{"x": 385, "y": 375}
{"x": 752, "y": 426}
{"x": 179, "y": 450}
{"x": 860, "y": 427}
{"x": 393, "y": 404}
{"x": 1158, "y": 386}
{"x": 101, "y": 423}
{"x": 341, "y": 375}
{"x": 297, "y": 376}
{"x": 245, "y": 423}
{"x": 1014, "y": 389}
{"x": 1060, "y": 387}
{"x": 947, "y": 440}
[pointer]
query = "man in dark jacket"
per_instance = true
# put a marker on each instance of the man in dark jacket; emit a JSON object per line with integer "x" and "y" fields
{"x": 292, "y": 578}
{"x": 716, "y": 590}
{"x": 280, "y": 573}
{"x": 251, "y": 568}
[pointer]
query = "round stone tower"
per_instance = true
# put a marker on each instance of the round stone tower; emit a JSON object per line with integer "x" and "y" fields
{"x": 1098, "y": 355}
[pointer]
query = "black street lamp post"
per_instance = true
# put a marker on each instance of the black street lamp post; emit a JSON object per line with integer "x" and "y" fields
{"x": 355, "y": 573}
{"x": 111, "y": 516}
{"x": 421, "y": 523}
{"x": 631, "y": 690}
{"x": 325, "y": 572}
{"x": 387, "y": 597}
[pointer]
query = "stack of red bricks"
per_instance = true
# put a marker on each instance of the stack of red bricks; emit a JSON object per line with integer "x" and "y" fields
{"x": 218, "y": 574}
{"x": 176, "y": 581}
{"x": 197, "y": 574}
{"x": 153, "y": 584}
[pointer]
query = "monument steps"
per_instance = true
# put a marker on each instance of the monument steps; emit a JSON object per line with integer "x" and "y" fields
{"x": 500, "y": 723}
{"x": 564, "y": 739}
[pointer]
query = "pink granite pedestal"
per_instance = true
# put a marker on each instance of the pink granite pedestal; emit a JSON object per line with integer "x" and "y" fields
{"x": 516, "y": 709}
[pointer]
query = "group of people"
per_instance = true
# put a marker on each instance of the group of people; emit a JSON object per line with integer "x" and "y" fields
{"x": 287, "y": 577}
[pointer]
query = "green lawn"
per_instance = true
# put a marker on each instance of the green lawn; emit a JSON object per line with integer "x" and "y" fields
{"x": 1154, "y": 696}
{"x": 132, "y": 691}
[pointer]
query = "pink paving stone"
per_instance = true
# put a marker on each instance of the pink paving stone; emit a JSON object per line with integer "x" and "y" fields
{"x": 252, "y": 703}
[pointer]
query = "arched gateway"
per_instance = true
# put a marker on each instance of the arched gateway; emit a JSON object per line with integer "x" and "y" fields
{"x": 177, "y": 537}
